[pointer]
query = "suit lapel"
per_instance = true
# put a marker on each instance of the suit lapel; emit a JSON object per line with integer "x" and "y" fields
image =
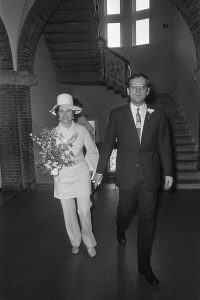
{"x": 146, "y": 121}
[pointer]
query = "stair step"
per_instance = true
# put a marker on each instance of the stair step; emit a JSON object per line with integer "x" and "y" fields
{"x": 70, "y": 37}
{"x": 69, "y": 46}
{"x": 77, "y": 62}
{"x": 76, "y": 5}
{"x": 178, "y": 126}
{"x": 73, "y": 27}
{"x": 186, "y": 155}
{"x": 186, "y": 165}
{"x": 67, "y": 54}
{"x": 67, "y": 69}
{"x": 72, "y": 16}
{"x": 176, "y": 120}
{"x": 188, "y": 185}
{"x": 186, "y": 148}
{"x": 183, "y": 140}
{"x": 183, "y": 132}
{"x": 188, "y": 175}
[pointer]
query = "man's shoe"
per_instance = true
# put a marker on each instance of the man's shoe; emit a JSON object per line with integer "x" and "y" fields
{"x": 75, "y": 249}
{"x": 122, "y": 240}
{"x": 91, "y": 251}
{"x": 150, "y": 277}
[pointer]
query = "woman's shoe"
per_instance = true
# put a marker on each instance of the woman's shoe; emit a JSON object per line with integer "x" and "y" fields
{"x": 75, "y": 249}
{"x": 91, "y": 251}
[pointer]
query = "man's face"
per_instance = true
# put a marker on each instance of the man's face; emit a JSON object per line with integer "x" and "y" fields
{"x": 138, "y": 90}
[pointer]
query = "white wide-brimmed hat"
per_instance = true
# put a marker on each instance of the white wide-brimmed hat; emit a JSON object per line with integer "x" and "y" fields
{"x": 66, "y": 99}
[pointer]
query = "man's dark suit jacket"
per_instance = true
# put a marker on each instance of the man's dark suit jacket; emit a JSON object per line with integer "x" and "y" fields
{"x": 151, "y": 155}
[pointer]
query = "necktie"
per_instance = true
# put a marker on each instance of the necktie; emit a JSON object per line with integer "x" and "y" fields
{"x": 138, "y": 122}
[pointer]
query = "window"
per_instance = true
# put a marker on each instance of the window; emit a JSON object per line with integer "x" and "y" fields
{"x": 113, "y": 22}
{"x": 126, "y": 22}
{"x": 113, "y": 31}
{"x": 113, "y": 7}
{"x": 142, "y": 32}
{"x": 141, "y": 22}
{"x": 142, "y": 4}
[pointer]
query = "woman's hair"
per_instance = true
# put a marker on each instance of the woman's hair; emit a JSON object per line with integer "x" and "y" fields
{"x": 57, "y": 111}
{"x": 76, "y": 102}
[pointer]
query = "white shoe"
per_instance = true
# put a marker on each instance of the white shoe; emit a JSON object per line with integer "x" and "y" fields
{"x": 91, "y": 251}
{"x": 75, "y": 249}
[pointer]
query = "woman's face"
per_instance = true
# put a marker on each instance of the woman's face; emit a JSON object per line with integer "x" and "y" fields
{"x": 65, "y": 115}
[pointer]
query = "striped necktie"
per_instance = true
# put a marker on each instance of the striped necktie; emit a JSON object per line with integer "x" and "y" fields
{"x": 138, "y": 122}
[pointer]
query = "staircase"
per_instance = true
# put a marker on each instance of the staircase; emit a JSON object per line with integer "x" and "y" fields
{"x": 71, "y": 35}
{"x": 79, "y": 54}
{"x": 187, "y": 175}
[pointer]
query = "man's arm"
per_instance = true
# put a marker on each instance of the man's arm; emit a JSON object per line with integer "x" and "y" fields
{"x": 105, "y": 150}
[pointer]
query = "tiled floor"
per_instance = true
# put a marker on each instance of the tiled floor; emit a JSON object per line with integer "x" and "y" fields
{"x": 36, "y": 261}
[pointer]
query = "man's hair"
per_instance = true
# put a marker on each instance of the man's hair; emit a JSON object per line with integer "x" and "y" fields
{"x": 136, "y": 75}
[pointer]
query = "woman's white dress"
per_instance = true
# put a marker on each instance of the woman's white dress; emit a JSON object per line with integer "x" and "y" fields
{"x": 74, "y": 181}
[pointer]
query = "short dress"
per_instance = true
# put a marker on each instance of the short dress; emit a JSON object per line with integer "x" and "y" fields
{"x": 74, "y": 181}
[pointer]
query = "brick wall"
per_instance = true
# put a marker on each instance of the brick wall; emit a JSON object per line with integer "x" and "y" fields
{"x": 5, "y": 50}
{"x": 16, "y": 155}
{"x": 32, "y": 30}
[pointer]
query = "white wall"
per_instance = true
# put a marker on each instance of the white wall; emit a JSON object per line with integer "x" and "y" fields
{"x": 184, "y": 64}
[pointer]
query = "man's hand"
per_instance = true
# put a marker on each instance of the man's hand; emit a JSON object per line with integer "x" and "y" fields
{"x": 168, "y": 182}
{"x": 96, "y": 179}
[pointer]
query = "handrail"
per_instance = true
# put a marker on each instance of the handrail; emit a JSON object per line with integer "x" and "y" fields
{"x": 115, "y": 68}
{"x": 112, "y": 51}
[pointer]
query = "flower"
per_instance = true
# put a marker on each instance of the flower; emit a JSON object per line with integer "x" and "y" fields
{"x": 56, "y": 151}
{"x": 150, "y": 110}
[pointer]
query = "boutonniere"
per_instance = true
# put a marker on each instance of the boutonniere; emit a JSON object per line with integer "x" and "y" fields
{"x": 150, "y": 111}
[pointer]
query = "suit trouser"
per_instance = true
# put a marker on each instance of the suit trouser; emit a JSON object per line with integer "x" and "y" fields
{"x": 74, "y": 231}
{"x": 145, "y": 201}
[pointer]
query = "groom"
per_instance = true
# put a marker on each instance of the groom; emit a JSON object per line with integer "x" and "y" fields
{"x": 144, "y": 148}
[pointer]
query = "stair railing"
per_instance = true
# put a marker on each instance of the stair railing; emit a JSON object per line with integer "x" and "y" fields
{"x": 115, "y": 68}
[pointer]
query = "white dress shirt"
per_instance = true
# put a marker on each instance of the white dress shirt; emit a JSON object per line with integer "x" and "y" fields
{"x": 143, "y": 110}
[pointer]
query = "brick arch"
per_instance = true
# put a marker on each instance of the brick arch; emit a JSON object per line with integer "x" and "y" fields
{"x": 6, "y": 61}
{"x": 190, "y": 10}
{"x": 32, "y": 30}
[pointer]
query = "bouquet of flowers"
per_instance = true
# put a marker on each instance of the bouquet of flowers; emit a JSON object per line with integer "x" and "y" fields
{"x": 56, "y": 151}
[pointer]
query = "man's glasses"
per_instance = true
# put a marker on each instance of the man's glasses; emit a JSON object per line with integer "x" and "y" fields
{"x": 135, "y": 87}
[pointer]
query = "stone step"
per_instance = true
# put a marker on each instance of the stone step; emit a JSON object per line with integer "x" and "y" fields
{"x": 186, "y": 148}
{"x": 188, "y": 175}
{"x": 183, "y": 140}
{"x": 176, "y": 120}
{"x": 181, "y": 132}
{"x": 188, "y": 185}
{"x": 186, "y": 155}
{"x": 179, "y": 126}
{"x": 70, "y": 37}
{"x": 186, "y": 165}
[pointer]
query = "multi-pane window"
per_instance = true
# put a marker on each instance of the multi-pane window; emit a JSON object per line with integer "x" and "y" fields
{"x": 141, "y": 21}
{"x": 113, "y": 7}
{"x": 142, "y": 31}
{"x": 138, "y": 18}
{"x": 142, "y": 4}
{"x": 114, "y": 36}
{"x": 113, "y": 20}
